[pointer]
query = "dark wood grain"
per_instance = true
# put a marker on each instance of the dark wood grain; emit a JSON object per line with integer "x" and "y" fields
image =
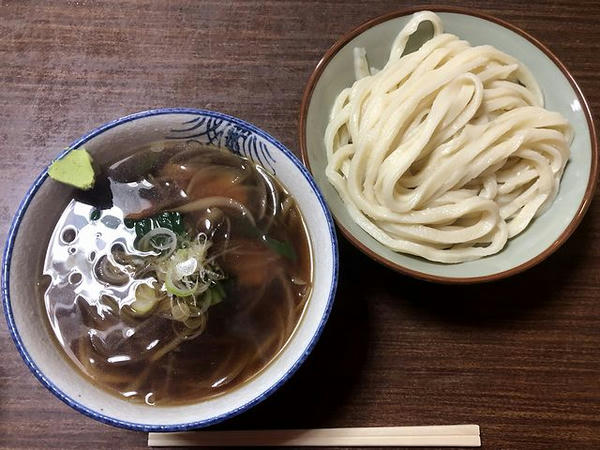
{"x": 520, "y": 357}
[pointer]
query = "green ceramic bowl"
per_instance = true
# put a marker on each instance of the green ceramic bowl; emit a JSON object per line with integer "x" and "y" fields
{"x": 546, "y": 233}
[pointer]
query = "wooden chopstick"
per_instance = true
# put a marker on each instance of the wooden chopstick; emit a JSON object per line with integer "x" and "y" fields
{"x": 425, "y": 436}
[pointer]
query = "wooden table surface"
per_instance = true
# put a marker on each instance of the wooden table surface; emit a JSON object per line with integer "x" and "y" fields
{"x": 520, "y": 357}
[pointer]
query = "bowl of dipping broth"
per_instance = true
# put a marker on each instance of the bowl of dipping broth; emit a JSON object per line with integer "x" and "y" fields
{"x": 168, "y": 280}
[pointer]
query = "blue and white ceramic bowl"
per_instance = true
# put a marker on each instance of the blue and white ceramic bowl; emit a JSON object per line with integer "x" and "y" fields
{"x": 42, "y": 206}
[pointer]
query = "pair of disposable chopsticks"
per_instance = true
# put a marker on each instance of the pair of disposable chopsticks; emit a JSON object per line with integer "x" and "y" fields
{"x": 425, "y": 436}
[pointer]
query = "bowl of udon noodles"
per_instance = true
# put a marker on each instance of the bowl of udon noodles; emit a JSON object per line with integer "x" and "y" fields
{"x": 183, "y": 287}
{"x": 450, "y": 145}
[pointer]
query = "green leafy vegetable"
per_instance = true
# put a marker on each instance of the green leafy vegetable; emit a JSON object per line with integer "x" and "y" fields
{"x": 168, "y": 219}
{"x": 283, "y": 248}
{"x": 143, "y": 226}
{"x": 95, "y": 214}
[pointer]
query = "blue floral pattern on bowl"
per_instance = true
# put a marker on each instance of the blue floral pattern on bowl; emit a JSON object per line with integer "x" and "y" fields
{"x": 221, "y": 133}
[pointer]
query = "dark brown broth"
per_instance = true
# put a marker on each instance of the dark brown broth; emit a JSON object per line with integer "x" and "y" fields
{"x": 243, "y": 333}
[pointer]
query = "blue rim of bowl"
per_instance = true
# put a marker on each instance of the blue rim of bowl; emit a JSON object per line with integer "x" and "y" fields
{"x": 182, "y": 426}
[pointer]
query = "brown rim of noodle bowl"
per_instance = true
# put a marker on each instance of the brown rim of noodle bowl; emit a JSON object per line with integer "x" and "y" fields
{"x": 589, "y": 192}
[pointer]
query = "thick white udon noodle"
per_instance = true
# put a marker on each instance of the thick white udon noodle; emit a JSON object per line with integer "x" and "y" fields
{"x": 446, "y": 152}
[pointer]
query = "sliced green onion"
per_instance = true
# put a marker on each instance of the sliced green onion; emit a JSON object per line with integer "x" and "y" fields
{"x": 172, "y": 289}
{"x": 145, "y": 300}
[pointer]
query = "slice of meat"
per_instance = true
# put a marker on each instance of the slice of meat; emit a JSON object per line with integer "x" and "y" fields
{"x": 217, "y": 182}
{"x": 250, "y": 262}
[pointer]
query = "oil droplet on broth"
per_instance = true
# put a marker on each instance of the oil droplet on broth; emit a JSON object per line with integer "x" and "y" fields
{"x": 75, "y": 278}
{"x": 69, "y": 235}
